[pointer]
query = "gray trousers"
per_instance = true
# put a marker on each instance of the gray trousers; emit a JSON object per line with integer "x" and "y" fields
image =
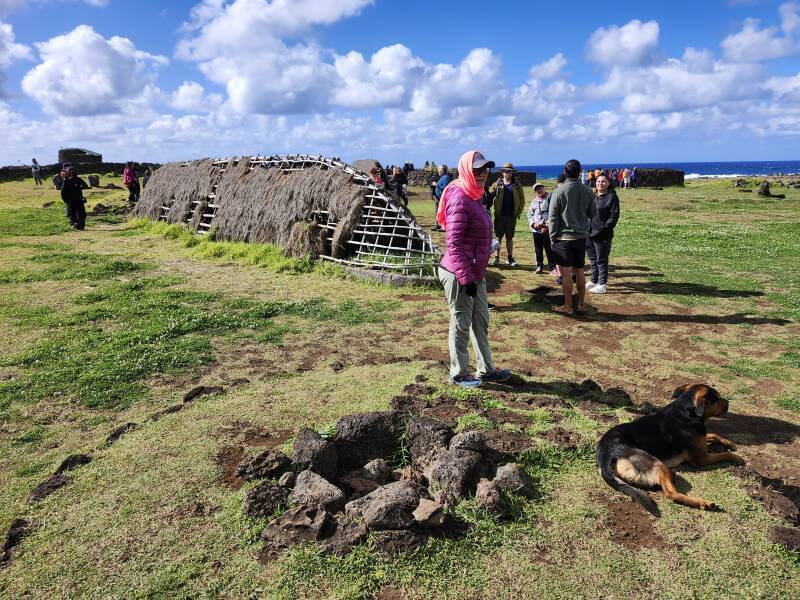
{"x": 469, "y": 320}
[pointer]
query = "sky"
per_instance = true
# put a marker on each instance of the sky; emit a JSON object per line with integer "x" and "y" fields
{"x": 524, "y": 82}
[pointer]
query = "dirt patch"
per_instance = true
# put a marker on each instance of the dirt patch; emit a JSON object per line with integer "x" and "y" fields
{"x": 18, "y": 529}
{"x": 448, "y": 413}
{"x": 629, "y": 525}
{"x": 437, "y": 354}
{"x": 561, "y": 437}
{"x": 257, "y": 437}
{"x": 381, "y": 359}
{"x": 498, "y": 416}
{"x": 194, "y": 509}
{"x": 229, "y": 458}
{"x": 119, "y": 432}
{"x": 507, "y": 442}
{"x": 769, "y": 388}
{"x": 390, "y": 593}
{"x": 778, "y": 494}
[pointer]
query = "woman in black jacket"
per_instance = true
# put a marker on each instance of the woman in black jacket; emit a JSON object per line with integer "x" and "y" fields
{"x": 601, "y": 233}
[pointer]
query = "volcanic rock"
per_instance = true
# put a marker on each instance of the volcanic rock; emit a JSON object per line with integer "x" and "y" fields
{"x": 457, "y": 472}
{"x": 73, "y": 461}
{"x": 202, "y": 390}
{"x": 297, "y": 525}
{"x": 266, "y": 464}
{"x": 429, "y": 513}
{"x": 398, "y": 541}
{"x": 312, "y": 452}
{"x": 348, "y": 534}
{"x": 16, "y": 531}
{"x": 363, "y": 437}
{"x": 287, "y": 479}
{"x": 427, "y": 439}
{"x": 311, "y": 489}
{"x": 264, "y": 499}
{"x": 512, "y": 479}
{"x": 47, "y": 487}
{"x": 788, "y": 537}
{"x": 488, "y": 496}
{"x": 377, "y": 470}
{"x": 469, "y": 440}
{"x": 389, "y": 507}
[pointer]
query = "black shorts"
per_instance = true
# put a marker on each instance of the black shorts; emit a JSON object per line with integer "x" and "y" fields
{"x": 570, "y": 253}
{"x": 505, "y": 226}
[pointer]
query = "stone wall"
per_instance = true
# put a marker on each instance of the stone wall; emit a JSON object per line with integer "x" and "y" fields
{"x": 420, "y": 178}
{"x": 658, "y": 177}
{"x": 24, "y": 172}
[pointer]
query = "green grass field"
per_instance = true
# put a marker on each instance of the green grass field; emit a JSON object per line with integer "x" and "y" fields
{"x": 112, "y": 324}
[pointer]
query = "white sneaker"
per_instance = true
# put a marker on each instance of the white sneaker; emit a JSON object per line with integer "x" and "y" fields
{"x": 598, "y": 289}
{"x": 590, "y": 285}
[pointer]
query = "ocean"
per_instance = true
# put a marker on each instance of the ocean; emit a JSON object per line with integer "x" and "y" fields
{"x": 693, "y": 170}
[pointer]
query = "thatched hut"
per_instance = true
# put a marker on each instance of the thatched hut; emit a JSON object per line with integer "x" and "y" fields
{"x": 306, "y": 204}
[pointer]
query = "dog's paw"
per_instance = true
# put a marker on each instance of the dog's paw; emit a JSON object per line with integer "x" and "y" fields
{"x": 710, "y": 506}
{"x": 730, "y": 445}
{"x": 737, "y": 459}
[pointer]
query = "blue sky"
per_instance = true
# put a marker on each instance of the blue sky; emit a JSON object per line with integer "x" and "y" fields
{"x": 610, "y": 82}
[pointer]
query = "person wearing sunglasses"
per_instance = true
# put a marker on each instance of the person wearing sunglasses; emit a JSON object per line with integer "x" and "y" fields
{"x": 462, "y": 271}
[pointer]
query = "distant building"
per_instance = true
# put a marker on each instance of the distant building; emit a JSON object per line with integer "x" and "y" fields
{"x": 79, "y": 156}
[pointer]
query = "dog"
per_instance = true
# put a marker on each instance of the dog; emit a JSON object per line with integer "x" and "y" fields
{"x": 641, "y": 452}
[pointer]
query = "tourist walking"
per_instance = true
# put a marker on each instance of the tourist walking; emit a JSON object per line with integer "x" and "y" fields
{"x": 36, "y": 170}
{"x": 131, "y": 181}
{"x": 444, "y": 180}
{"x": 601, "y": 233}
{"x": 537, "y": 219}
{"x": 462, "y": 271}
{"x": 509, "y": 201}
{"x": 572, "y": 206}
{"x": 72, "y": 196}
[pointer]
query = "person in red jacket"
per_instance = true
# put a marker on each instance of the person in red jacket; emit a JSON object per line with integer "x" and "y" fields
{"x": 463, "y": 269}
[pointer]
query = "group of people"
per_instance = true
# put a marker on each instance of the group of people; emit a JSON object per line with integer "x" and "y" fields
{"x": 624, "y": 178}
{"x": 71, "y": 187}
{"x": 396, "y": 183}
{"x": 566, "y": 224}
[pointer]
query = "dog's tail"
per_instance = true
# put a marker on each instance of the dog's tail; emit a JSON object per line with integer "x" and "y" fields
{"x": 606, "y": 459}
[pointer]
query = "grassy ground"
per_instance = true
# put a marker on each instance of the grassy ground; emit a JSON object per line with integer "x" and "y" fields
{"x": 110, "y": 325}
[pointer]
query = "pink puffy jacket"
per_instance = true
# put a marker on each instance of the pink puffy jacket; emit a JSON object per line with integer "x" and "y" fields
{"x": 469, "y": 238}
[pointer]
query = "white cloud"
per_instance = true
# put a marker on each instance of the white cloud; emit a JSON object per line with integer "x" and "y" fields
{"x": 549, "y": 69}
{"x": 790, "y": 17}
{"x": 384, "y": 81}
{"x": 239, "y": 45}
{"x": 97, "y": 3}
{"x": 191, "y": 97}
{"x": 10, "y": 51}
{"x": 82, "y": 73}
{"x": 634, "y": 43}
{"x": 755, "y": 44}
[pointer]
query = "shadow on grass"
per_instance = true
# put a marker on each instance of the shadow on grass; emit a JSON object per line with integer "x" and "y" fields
{"x": 680, "y": 289}
{"x": 544, "y": 297}
{"x": 750, "y": 430}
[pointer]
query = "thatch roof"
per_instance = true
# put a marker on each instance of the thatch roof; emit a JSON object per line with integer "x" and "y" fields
{"x": 305, "y": 204}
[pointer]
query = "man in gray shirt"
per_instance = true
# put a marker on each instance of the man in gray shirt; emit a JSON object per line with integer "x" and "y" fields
{"x": 571, "y": 210}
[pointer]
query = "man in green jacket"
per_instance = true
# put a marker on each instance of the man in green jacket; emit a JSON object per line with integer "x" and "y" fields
{"x": 509, "y": 200}
{"x": 572, "y": 207}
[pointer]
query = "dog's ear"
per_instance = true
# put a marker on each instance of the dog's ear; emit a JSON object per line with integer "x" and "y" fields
{"x": 680, "y": 391}
{"x": 699, "y": 400}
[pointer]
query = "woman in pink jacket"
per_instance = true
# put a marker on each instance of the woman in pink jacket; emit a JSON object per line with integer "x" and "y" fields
{"x": 462, "y": 270}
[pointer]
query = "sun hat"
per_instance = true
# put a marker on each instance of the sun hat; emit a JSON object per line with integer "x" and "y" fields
{"x": 508, "y": 167}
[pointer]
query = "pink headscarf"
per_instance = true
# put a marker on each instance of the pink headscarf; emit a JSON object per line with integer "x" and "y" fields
{"x": 466, "y": 181}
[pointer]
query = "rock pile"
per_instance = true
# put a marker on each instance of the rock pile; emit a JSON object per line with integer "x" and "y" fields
{"x": 420, "y": 178}
{"x": 764, "y": 191}
{"x": 341, "y": 489}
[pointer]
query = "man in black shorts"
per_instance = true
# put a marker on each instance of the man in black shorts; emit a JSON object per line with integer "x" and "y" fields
{"x": 571, "y": 210}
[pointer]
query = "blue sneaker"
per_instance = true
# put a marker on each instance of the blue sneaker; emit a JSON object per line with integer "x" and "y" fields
{"x": 498, "y": 375}
{"x": 466, "y": 381}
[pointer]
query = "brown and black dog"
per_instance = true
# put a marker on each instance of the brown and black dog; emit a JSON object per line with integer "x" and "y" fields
{"x": 641, "y": 452}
